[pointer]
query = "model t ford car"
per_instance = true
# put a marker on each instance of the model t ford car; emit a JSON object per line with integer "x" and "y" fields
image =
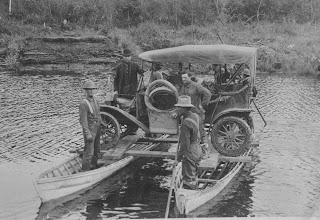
{"x": 229, "y": 73}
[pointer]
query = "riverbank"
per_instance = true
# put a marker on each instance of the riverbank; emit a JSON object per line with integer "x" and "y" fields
{"x": 282, "y": 47}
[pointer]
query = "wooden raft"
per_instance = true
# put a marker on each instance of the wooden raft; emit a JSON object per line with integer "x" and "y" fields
{"x": 118, "y": 151}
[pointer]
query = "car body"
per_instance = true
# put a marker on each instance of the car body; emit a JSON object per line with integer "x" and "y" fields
{"x": 227, "y": 117}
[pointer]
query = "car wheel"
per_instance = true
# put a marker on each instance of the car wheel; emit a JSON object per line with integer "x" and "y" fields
{"x": 127, "y": 129}
{"x": 231, "y": 136}
{"x": 110, "y": 131}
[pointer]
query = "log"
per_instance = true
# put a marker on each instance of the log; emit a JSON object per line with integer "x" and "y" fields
{"x": 65, "y": 39}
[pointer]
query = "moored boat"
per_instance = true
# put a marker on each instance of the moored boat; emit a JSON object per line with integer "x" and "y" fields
{"x": 216, "y": 173}
{"x": 66, "y": 178}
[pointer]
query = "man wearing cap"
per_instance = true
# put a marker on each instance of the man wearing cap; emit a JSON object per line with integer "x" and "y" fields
{"x": 200, "y": 97}
{"x": 126, "y": 81}
{"x": 90, "y": 121}
{"x": 190, "y": 151}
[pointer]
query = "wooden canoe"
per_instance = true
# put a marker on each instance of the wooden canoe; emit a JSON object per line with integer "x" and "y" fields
{"x": 65, "y": 179}
{"x": 212, "y": 180}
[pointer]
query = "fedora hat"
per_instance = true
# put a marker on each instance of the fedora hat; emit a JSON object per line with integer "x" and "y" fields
{"x": 127, "y": 52}
{"x": 184, "y": 101}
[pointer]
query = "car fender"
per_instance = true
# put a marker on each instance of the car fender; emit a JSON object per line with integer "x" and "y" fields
{"x": 232, "y": 111}
{"x": 119, "y": 112}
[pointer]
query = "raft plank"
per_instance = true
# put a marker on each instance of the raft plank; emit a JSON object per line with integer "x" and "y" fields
{"x": 244, "y": 159}
{"x": 211, "y": 162}
{"x": 207, "y": 180}
{"x": 158, "y": 140}
{"x": 145, "y": 153}
{"x": 118, "y": 151}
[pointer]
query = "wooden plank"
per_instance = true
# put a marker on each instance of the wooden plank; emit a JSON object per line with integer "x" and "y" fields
{"x": 67, "y": 169}
{"x": 73, "y": 167}
{"x": 146, "y": 153}
{"x": 211, "y": 162}
{"x": 118, "y": 151}
{"x": 244, "y": 159}
{"x": 158, "y": 140}
{"x": 207, "y": 180}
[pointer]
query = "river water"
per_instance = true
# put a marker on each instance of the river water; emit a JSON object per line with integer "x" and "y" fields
{"x": 39, "y": 125}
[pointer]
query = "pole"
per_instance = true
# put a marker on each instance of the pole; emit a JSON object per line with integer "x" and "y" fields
{"x": 172, "y": 179}
{"x": 9, "y": 7}
{"x": 219, "y": 37}
{"x": 265, "y": 123}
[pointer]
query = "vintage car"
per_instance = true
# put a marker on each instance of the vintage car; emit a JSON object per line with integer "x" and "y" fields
{"x": 228, "y": 71}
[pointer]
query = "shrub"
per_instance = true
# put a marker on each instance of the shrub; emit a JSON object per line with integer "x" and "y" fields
{"x": 149, "y": 36}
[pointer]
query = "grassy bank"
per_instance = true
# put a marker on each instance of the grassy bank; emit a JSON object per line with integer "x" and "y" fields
{"x": 294, "y": 47}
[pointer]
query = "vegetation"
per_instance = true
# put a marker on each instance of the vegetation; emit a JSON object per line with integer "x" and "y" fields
{"x": 285, "y": 31}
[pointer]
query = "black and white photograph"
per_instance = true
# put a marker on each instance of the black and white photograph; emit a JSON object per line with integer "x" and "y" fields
{"x": 158, "y": 109}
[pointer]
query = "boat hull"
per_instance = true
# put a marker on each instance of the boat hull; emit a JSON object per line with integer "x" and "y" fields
{"x": 188, "y": 200}
{"x": 57, "y": 187}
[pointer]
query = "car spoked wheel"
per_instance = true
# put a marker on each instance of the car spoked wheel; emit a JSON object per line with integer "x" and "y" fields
{"x": 127, "y": 129}
{"x": 110, "y": 131}
{"x": 231, "y": 136}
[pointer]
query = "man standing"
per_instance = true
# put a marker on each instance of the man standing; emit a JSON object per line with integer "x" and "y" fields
{"x": 126, "y": 81}
{"x": 200, "y": 98}
{"x": 190, "y": 151}
{"x": 156, "y": 73}
{"x": 90, "y": 121}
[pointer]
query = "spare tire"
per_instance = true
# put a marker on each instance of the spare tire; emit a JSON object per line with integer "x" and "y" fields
{"x": 161, "y": 96}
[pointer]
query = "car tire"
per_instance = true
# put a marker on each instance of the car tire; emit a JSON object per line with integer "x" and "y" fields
{"x": 231, "y": 136}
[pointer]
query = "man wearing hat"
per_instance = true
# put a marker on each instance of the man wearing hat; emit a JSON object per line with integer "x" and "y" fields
{"x": 246, "y": 73}
{"x": 126, "y": 81}
{"x": 200, "y": 97}
{"x": 90, "y": 121}
{"x": 190, "y": 151}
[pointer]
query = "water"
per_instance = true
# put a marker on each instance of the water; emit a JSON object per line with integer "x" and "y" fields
{"x": 39, "y": 124}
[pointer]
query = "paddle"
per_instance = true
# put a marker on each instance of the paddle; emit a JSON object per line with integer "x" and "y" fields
{"x": 172, "y": 179}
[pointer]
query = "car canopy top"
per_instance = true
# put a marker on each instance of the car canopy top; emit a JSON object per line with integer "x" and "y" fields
{"x": 209, "y": 54}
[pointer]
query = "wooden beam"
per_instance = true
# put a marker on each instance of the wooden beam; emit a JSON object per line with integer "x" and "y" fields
{"x": 244, "y": 159}
{"x": 117, "y": 151}
{"x": 211, "y": 162}
{"x": 158, "y": 140}
{"x": 140, "y": 153}
{"x": 207, "y": 180}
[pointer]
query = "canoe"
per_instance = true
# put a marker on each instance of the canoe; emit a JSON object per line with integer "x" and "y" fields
{"x": 215, "y": 174}
{"x": 65, "y": 179}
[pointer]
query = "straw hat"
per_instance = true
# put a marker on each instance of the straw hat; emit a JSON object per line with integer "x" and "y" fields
{"x": 184, "y": 101}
